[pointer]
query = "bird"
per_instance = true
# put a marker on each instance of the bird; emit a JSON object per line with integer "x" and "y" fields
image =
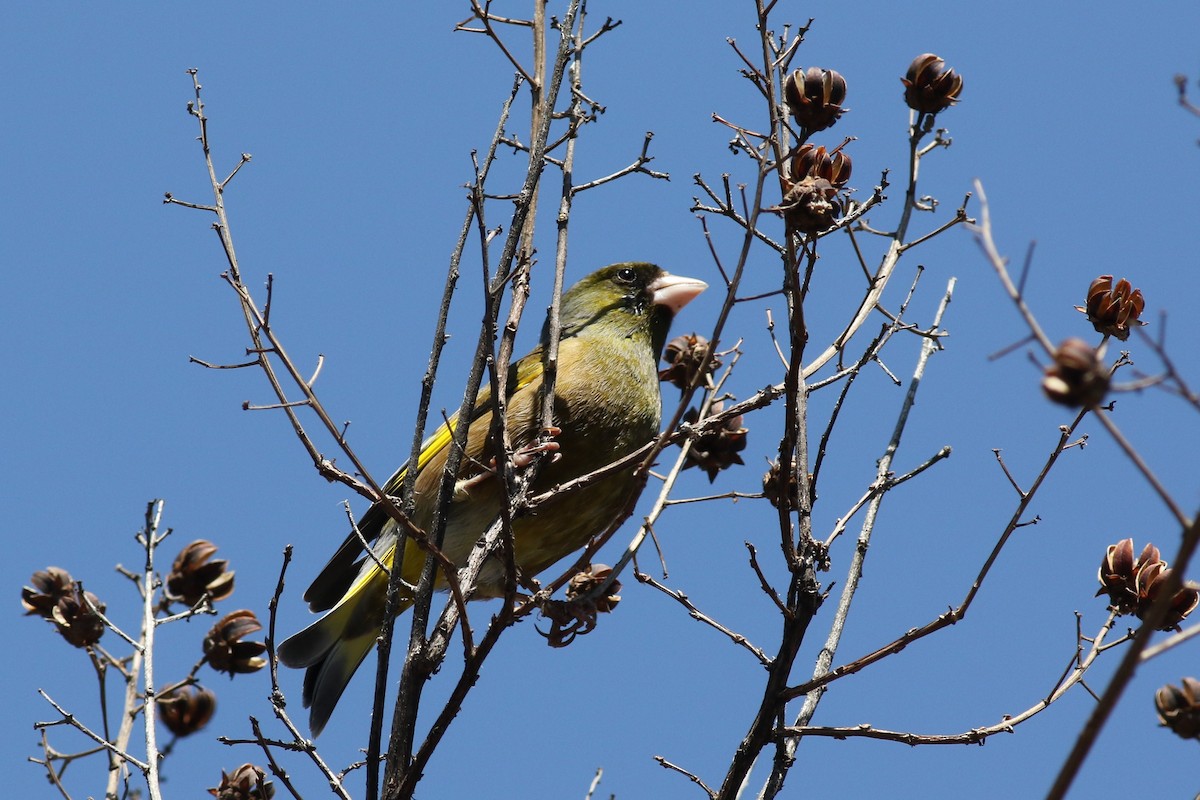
{"x": 613, "y": 325}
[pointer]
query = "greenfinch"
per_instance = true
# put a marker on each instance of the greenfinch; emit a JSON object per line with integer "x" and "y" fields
{"x": 613, "y": 326}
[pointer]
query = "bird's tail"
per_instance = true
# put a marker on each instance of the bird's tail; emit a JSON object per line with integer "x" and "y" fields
{"x": 331, "y": 649}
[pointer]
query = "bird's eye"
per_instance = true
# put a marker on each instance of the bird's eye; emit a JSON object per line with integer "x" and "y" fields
{"x": 626, "y": 275}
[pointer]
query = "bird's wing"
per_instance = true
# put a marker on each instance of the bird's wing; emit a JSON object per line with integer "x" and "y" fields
{"x": 338, "y": 575}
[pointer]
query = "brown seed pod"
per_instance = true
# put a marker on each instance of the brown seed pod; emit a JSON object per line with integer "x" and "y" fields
{"x": 1179, "y": 708}
{"x": 929, "y": 87}
{"x": 716, "y": 450}
{"x": 811, "y": 161}
{"x": 49, "y": 586}
{"x": 247, "y": 782}
{"x": 1077, "y": 377}
{"x": 193, "y": 575}
{"x": 1113, "y": 309}
{"x": 187, "y": 709}
{"x": 1133, "y": 586}
{"x": 685, "y": 355}
{"x": 814, "y": 97}
{"x": 225, "y": 649}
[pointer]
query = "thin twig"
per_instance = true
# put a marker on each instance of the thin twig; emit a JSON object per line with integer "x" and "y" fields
{"x": 975, "y": 735}
{"x": 983, "y": 235}
{"x": 689, "y": 775}
{"x": 700, "y": 616}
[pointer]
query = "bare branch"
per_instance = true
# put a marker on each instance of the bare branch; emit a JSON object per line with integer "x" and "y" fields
{"x": 983, "y": 235}
{"x": 690, "y": 776}
{"x": 700, "y": 616}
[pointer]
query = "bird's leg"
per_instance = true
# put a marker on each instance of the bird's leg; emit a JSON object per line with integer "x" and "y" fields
{"x": 545, "y": 444}
{"x": 521, "y": 459}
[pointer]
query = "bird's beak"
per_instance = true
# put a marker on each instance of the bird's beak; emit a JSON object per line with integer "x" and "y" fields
{"x": 675, "y": 291}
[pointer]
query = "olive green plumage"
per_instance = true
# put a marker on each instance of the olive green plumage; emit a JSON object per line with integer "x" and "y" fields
{"x": 614, "y": 324}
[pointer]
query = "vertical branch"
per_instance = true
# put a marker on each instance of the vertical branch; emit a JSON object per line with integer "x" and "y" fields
{"x": 374, "y": 747}
{"x": 118, "y": 768}
{"x": 539, "y": 113}
{"x": 803, "y": 595}
{"x": 825, "y": 658}
{"x": 553, "y": 326}
{"x": 403, "y": 769}
{"x": 150, "y": 540}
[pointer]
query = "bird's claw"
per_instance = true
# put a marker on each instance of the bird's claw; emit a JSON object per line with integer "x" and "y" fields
{"x": 545, "y": 444}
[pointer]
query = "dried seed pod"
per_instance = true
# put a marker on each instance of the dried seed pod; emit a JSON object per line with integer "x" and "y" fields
{"x": 49, "y": 586}
{"x": 811, "y": 205}
{"x": 814, "y": 97}
{"x": 1118, "y": 574}
{"x": 1077, "y": 377}
{"x": 193, "y": 575}
{"x": 186, "y": 709}
{"x": 1133, "y": 586}
{"x": 719, "y": 449}
{"x": 587, "y": 581}
{"x": 929, "y": 87}
{"x": 247, "y": 782}
{"x": 225, "y": 650}
{"x": 1113, "y": 309}
{"x": 577, "y": 615}
{"x": 771, "y": 488}
{"x": 1179, "y": 708}
{"x": 811, "y": 161}
{"x": 810, "y": 202}
{"x": 1151, "y": 582}
{"x": 75, "y": 615}
{"x": 685, "y": 356}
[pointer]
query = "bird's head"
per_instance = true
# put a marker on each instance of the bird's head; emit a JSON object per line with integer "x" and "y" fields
{"x": 630, "y": 300}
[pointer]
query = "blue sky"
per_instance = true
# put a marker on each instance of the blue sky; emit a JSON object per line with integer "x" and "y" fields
{"x": 360, "y": 121}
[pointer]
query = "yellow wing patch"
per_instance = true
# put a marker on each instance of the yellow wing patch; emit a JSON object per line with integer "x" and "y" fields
{"x": 528, "y": 369}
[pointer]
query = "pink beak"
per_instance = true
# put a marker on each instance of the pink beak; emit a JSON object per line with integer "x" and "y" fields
{"x": 675, "y": 291}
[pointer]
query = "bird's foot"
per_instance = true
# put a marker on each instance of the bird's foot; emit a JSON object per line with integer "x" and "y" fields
{"x": 545, "y": 444}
